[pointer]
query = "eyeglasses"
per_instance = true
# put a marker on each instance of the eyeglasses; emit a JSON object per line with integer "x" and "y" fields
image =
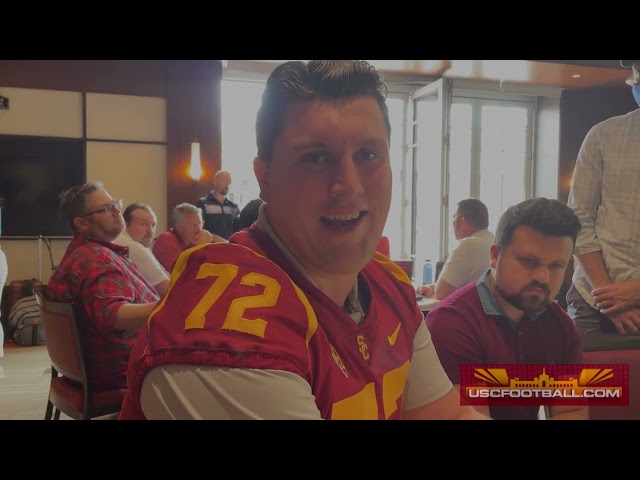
{"x": 107, "y": 208}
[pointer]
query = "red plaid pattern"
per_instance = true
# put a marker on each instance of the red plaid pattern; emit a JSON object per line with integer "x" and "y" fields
{"x": 99, "y": 278}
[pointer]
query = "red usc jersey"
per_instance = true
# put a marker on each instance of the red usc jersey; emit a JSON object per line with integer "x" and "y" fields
{"x": 243, "y": 305}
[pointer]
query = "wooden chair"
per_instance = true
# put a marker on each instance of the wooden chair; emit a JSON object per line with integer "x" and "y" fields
{"x": 407, "y": 266}
{"x": 70, "y": 391}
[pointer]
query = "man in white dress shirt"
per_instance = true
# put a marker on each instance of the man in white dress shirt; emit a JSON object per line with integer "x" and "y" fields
{"x": 471, "y": 257}
{"x": 604, "y": 297}
{"x": 141, "y": 224}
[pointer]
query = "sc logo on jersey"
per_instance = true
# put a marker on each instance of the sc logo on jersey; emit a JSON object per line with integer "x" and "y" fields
{"x": 363, "y": 347}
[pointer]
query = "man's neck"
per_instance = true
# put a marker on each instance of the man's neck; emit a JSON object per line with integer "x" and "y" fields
{"x": 471, "y": 232}
{"x": 336, "y": 288}
{"x": 218, "y": 196}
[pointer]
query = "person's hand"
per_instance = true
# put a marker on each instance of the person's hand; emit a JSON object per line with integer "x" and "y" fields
{"x": 203, "y": 237}
{"x": 618, "y": 296}
{"x": 627, "y": 321}
{"x": 425, "y": 290}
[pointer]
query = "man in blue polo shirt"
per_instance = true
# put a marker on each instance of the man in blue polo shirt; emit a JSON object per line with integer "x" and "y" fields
{"x": 508, "y": 316}
{"x": 220, "y": 215}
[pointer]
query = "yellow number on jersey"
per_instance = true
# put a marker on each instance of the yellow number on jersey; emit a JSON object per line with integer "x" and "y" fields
{"x": 268, "y": 298}
{"x": 234, "y": 319}
{"x": 364, "y": 404}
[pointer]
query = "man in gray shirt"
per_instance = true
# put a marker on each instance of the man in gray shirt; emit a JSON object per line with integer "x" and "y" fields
{"x": 604, "y": 297}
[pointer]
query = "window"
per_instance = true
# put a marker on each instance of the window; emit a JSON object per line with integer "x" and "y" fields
{"x": 478, "y": 145}
{"x": 490, "y": 155}
{"x": 394, "y": 229}
{"x": 240, "y": 100}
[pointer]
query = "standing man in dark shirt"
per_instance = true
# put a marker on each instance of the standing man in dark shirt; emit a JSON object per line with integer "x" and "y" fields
{"x": 220, "y": 214}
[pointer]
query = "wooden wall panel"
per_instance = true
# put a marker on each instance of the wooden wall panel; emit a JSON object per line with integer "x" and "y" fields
{"x": 193, "y": 113}
{"x": 191, "y": 88}
{"x": 41, "y": 113}
{"x": 125, "y": 77}
{"x": 126, "y": 117}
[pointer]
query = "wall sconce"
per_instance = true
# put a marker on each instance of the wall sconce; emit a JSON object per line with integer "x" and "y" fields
{"x": 195, "y": 170}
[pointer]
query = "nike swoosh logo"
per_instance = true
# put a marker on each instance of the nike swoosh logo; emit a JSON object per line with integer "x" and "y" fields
{"x": 394, "y": 336}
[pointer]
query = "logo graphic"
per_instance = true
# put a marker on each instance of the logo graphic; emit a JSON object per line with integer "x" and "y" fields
{"x": 363, "y": 347}
{"x": 545, "y": 384}
{"x": 339, "y": 361}
{"x": 394, "y": 336}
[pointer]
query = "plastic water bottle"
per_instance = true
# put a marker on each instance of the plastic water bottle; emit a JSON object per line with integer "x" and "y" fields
{"x": 427, "y": 273}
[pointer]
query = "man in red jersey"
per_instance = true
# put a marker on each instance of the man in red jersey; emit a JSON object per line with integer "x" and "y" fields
{"x": 186, "y": 232}
{"x": 297, "y": 317}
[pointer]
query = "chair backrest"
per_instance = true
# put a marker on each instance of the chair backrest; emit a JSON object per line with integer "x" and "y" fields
{"x": 439, "y": 265}
{"x": 63, "y": 340}
{"x": 407, "y": 266}
{"x": 628, "y": 357}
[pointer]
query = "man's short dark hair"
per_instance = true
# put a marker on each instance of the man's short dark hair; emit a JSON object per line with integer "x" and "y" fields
{"x": 549, "y": 217}
{"x": 475, "y": 212}
{"x": 132, "y": 208}
{"x": 296, "y": 81}
{"x": 73, "y": 202}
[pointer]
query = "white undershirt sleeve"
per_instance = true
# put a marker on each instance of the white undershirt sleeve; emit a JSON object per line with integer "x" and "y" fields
{"x": 427, "y": 381}
{"x": 186, "y": 392}
{"x": 198, "y": 392}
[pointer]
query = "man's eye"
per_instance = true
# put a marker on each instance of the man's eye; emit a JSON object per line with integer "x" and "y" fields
{"x": 315, "y": 158}
{"x": 367, "y": 155}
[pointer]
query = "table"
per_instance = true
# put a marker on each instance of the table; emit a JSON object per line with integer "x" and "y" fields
{"x": 427, "y": 304}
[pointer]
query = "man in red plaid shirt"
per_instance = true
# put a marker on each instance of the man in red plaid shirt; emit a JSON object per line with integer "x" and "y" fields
{"x": 112, "y": 299}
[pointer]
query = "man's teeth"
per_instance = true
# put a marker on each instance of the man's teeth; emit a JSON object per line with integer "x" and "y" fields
{"x": 343, "y": 218}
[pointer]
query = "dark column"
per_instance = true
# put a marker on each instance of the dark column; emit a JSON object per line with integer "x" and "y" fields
{"x": 193, "y": 113}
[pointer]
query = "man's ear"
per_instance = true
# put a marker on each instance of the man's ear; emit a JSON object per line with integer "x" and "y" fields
{"x": 80, "y": 224}
{"x": 261, "y": 171}
{"x": 495, "y": 252}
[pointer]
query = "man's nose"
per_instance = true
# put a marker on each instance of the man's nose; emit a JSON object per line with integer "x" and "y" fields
{"x": 347, "y": 179}
{"x": 541, "y": 275}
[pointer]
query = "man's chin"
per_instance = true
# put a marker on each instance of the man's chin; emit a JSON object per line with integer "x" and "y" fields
{"x": 535, "y": 306}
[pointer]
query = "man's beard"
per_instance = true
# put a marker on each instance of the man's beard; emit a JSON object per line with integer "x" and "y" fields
{"x": 526, "y": 302}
